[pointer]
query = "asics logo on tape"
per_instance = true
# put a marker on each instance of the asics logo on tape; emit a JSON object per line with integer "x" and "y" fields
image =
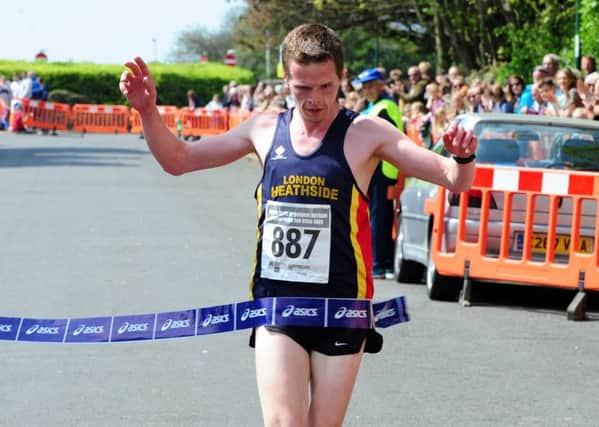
{"x": 42, "y": 330}
{"x": 175, "y": 324}
{"x": 350, "y": 314}
{"x": 87, "y": 330}
{"x": 5, "y": 328}
{"x": 299, "y": 311}
{"x": 383, "y": 314}
{"x": 132, "y": 327}
{"x": 213, "y": 320}
{"x": 250, "y": 314}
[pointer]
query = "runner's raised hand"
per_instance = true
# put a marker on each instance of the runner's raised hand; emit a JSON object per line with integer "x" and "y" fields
{"x": 137, "y": 85}
{"x": 459, "y": 142}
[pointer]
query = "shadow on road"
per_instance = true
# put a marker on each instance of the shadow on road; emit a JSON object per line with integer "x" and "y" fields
{"x": 70, "y": 156}
{"x": 531, "y": 298}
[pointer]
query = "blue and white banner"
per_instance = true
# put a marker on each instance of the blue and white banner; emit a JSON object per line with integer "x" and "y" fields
{"x": 320, "y": 312}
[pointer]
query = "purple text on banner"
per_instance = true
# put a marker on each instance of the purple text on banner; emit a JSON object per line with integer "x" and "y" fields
{"x": 299, "y": 312}
{"x": 252, "y": 314}
{"x": 176, "y": 324}
{"x": 213, "y": 320}
{"x": 349, "y": 313}
{"x": 89, "y": 329}
{"x": 134, "y": 327}
{"x": 9, "y": 327}
{"x": 43, "y": 330}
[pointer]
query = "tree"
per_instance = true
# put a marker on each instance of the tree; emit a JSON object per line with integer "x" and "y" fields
{"x": 473, "y": 34}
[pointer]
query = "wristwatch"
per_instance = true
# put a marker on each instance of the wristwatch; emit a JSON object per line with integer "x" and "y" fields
{"x": 464, "y": 160}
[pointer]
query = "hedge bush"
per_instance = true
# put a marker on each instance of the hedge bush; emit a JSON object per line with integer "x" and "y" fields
{"x": 99, "y": 83}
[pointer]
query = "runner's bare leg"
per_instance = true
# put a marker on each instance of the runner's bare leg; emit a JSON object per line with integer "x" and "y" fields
{"x": 283, "y": 374}
{"x": 332, "y": 382}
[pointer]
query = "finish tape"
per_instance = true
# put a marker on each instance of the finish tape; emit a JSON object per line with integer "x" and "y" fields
{"x": 279, "y": 311}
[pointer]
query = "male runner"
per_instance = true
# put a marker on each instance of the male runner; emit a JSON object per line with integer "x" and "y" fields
{"x": 317, "y": 157}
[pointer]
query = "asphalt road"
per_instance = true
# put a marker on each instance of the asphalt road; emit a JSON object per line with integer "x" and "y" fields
{"x": 92, "y": 226}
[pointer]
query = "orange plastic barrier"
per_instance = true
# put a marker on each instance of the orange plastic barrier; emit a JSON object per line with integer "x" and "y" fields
{"x": 46, "y": 115}
{"x": 554, "y": 189}
{"x": 169, "y": 114}
{"x": 100, "y": 118}
{"x": 201, "y": 122}
{"x": 413, "y": 130}
{"x": 237, "y": 116}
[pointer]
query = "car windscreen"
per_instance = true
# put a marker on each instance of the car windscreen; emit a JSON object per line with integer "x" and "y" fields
{"x": 534, "y": 145}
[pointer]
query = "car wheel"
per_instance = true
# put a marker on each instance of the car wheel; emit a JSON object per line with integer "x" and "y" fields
{"x": 439, "y": 286}
{"x": 405, "y": 270}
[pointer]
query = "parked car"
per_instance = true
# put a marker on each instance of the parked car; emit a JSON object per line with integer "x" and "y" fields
{"x": 507, "y": 140}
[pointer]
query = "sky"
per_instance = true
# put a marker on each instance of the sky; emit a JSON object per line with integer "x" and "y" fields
{"x": 103, "y": 31}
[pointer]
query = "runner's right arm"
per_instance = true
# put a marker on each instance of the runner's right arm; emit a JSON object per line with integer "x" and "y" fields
{"x": 174, "y": 155}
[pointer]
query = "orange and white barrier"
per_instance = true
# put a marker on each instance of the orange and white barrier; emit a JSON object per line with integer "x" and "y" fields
{"x": 100, "y": 118}
{"x": 119, "y": 119}
{"x": 536, "y": 253}
{"x": 200, "y": 122}
{"x": 169, "y": 114}
{"x": 237, "y": 116}
{"x": 46, "y": 115}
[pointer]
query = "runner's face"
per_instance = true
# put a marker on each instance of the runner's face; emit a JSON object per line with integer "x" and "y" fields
{"x": 314, "y": 87}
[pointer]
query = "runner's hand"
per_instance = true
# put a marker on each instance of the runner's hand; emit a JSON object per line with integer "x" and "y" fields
{"x": 137, "y": 85}
{"x": 460, "y": 142}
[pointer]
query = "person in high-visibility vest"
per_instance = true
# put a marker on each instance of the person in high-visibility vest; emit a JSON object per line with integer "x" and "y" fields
{"x": 381, "y": 207}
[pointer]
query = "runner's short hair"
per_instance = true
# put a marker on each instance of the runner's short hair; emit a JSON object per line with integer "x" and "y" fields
{"x": 309, "y": 43}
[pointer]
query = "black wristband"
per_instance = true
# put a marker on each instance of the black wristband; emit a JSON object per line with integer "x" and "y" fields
{"x": 464, "y": 160}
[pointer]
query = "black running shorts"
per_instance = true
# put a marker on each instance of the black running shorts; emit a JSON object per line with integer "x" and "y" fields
{"x": 329, "y": 341}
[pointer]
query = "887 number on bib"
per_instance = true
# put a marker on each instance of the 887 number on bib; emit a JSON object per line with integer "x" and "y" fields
{"x": 296, "y": 242}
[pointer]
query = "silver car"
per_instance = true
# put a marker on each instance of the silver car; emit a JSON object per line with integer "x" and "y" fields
{"x": 505, "y": 140}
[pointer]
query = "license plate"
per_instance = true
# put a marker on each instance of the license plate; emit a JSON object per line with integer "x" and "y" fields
{"x": 561, "y": 243}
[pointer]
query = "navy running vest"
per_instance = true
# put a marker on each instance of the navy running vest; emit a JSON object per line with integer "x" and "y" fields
{"x": 313, "y": 235}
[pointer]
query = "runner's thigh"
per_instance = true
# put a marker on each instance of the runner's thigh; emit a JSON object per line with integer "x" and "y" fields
{"x": 283, "y": 373}
{"x": 333, "y": 379}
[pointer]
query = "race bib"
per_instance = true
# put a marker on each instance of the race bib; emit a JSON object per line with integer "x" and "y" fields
{"x": 296, "y": 242}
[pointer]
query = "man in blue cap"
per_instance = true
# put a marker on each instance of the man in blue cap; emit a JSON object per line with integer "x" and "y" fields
{"x": 381, "y": 207}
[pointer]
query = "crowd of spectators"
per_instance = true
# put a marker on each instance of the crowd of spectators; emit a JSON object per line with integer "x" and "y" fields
{"x": 26, "y": 85}
{"x": 429, "y": 102}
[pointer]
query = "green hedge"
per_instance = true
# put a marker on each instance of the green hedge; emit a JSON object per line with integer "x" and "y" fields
{"x": 99, "y": 83}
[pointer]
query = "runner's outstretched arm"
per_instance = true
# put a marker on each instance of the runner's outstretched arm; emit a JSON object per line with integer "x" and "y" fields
{"x": 176, "y": 157}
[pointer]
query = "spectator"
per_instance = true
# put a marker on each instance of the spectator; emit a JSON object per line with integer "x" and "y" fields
{"x": 247, "y": 97}
{"x": 26, "y": 86}
{"x": 514, "y": 90}
{"x": 551, "y": 63}
{"x": 15, "y": 85}
{"x": 497, "y": 100}
{"x": 474, "y": 99}
{"x": 43, "y": 89}
{"x": 454, "y": 73}
{"x": 193, "y": 101}
{"x": 588, "y": 64}
{"x": 384, "y": 177}
{"x": 566, "y": 80}
{"x": 548, "y": 95}
{"x": 36, "y": 91}
{"x": 426, "y": 71}
{"x": 573, "y": 102}
{"x": 417, "y": 86}
{"x": 214, "y": 103}
{"x": 5, "y": 100}
{"x": 537, "y": 103}
{"x": 526, "y": 99}
{"x": 439, "y": 124}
